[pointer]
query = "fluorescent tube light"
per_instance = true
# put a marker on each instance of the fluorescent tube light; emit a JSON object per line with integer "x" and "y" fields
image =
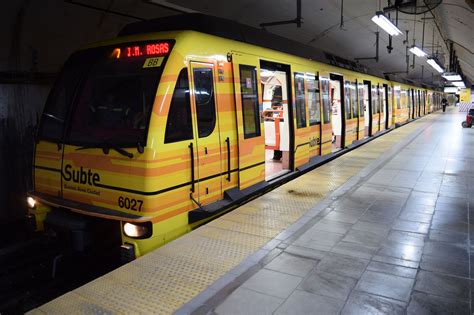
{"x": 381, "y": 20}
{"x": 435, "y": 65}
{"x": 452, "y": 76}
{"x": 450, "y": 89}
{"x": 417, "y": 51}
{"x": 459, "y": 84}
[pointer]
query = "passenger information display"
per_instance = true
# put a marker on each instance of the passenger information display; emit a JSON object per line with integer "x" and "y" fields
{"x": 148, "y": 50}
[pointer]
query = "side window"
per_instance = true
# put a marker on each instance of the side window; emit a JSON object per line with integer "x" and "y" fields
{"x": 347, "y": 99}
{"x": 326, "y": 103}
{"x": 249, "y": 94}
{"x": 355, "y": 112}
{"x": 179, "y": 123}
{"x": 300, "y": 101}
{"x": 314, "y": 103}
{"x": 205, "y": 106}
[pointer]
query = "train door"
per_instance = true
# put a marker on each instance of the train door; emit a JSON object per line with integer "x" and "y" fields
{"x": 383, "y": 107}
{"x": 207, "y": 151}
{"x": 375, "y": 109}
{"x": 351, "y": 112}
{"x": 389, "y": 102}
{"x": 337, "y": 112}
{"x": 326, "y": 128}
{"x": 420, "y": 104}
{"x": 276, "y": 94}
{"x": 367, "y": 109}
{"x": 409, "y": 105}
{"x": 360, "y": 101}
{"x": 314, "y": 111}
{"x": 413, "y": 106}
{"x": 251, "y": 141}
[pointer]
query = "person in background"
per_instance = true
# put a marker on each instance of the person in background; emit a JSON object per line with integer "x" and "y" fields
{"x": 444, "y": 103}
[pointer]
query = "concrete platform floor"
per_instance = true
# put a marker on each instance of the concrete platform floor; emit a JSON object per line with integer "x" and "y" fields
{"x": 384, "y": 228}
{"x": 397, "y": 242}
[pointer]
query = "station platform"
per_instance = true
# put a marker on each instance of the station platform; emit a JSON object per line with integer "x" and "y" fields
{"x": 385, "y": 228}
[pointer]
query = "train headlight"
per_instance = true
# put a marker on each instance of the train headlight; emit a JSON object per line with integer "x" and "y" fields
{"x": 31, "y": 202}
{"x": 137, "y": 230}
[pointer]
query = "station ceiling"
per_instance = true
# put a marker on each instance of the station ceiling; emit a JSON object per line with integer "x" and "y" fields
{"x": 76, "y": 22}
{"x": 353, "y": 36}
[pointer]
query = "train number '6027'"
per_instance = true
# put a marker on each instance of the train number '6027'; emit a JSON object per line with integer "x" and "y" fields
{"x": 130, "y": 203}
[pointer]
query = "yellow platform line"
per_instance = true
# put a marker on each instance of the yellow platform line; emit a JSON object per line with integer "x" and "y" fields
{"x": 169, "y": 277}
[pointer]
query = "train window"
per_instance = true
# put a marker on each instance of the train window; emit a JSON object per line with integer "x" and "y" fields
{"x": 326, "y": 103}
{"x": 179, "y": 124}
{"x": 249, "y": 94}
{"x": 397, "y": 97}
{"x": 352, "y": 88}
{"x": 61, "y": 96}
{"x": 409, "y": 99}
{"x": 375, "y": 100}
{"x": 300, "y": 101}
{"x": 347, "y": 99}
{"x": 114, "y": 102}
{"x": 205, "y": 105}
{"x": 314, "y": 102}
{"x": 360, "y": 88}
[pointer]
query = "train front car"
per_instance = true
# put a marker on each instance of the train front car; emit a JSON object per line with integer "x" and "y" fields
{"x": 96, "y": 179}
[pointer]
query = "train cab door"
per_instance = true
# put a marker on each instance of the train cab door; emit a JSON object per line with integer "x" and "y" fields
{"x": 251, "y": 140}
{"x": 206, "y": 186}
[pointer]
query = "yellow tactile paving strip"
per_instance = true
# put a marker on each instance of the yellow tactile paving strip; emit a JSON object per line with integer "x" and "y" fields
{"x": 163, "y": 281}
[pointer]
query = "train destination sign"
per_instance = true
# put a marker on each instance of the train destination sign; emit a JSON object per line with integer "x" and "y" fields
{"x": 142, "y": 50}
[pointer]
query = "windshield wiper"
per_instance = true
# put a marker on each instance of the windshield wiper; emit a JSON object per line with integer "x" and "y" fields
{"x": 119, "y": 150}
{"x": 54, "y": 117}
{"x": 106, "y": 150}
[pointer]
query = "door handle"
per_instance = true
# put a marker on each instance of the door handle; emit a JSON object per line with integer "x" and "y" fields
{"x": 191, "y": 152}
{"x": 227, "y": 140}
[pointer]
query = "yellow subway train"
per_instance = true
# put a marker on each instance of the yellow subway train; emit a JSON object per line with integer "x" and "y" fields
{"x": 147, "y": 135}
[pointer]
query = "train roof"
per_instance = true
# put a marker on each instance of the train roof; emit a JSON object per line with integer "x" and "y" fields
{"x": 247, "y": 34}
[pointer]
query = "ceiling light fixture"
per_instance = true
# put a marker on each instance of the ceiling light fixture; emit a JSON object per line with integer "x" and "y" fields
{"x": 417, "y": 51}
{"x": 435, "y": 65}
{"x": 459, "y": 84}
{"x": 381, "y": 20}
{"x": 450, "y": 89}
{"x": 451, "y": 76}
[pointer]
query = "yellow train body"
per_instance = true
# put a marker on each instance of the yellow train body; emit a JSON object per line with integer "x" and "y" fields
{"x": 164, "y": 183}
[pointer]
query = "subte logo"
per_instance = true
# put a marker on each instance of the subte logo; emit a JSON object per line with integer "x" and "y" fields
{"x": 81, "y": 176}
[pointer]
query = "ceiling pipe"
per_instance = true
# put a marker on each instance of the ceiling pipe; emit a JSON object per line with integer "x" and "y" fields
{"x": 298, "y": 20}
{"x": 104, "y": 10}
{"x": 376, "y": 58}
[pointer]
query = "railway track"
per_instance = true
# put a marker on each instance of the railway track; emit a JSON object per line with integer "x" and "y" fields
{"x": 36, "y": 270}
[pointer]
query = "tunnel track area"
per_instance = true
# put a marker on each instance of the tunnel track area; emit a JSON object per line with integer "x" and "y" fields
{"x": 39, "y": 269}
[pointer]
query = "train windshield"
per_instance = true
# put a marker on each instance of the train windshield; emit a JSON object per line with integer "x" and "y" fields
{"x": 114, "y": 90}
